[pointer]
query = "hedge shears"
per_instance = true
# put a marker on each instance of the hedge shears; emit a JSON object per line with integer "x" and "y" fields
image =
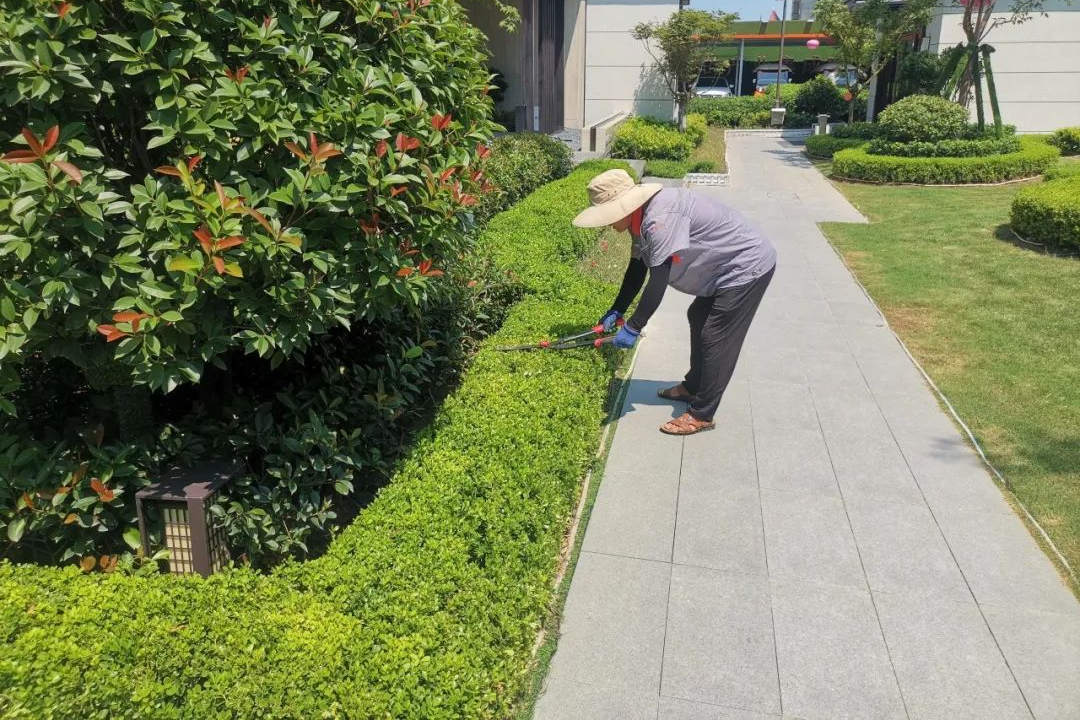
{"x": 594, "y": 337}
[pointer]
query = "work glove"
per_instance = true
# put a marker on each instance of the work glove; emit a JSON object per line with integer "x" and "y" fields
{"x": 610, "y": 318}
{"x": 625, "y": 338}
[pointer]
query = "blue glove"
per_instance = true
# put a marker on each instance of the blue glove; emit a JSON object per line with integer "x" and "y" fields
{"x": 625, "y": 338}
{"x": 610, "y": 318}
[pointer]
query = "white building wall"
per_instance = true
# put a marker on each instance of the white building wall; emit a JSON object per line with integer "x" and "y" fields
{"x": 619, "y": 74}
{"x": 1036, "y": 65}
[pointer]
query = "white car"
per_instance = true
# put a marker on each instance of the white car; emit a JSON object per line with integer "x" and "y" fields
{"x": 712, "y": 86}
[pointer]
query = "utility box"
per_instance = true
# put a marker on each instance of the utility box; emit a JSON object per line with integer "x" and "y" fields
{"x": 777, "y": 116}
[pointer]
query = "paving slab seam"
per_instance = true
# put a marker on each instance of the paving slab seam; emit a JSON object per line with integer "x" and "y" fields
{"x": 765, "y": 551}
{"x": 667, "y": 598}
{"x": 726, "y": 706}
{"x": 862, "y": 564}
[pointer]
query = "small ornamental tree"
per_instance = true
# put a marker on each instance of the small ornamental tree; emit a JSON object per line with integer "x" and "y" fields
{"x": 680, "y": 47}
{"x": 868, "y": 34}
{"x": 186, "y": 183}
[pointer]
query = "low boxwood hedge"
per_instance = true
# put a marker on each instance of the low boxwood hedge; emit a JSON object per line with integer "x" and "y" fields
{"x": 860, "y": 130}
{"x": 824, "y": 146}
{"x": 1062, "y": 169}
{"x": 1049, "y": 213}
{"x": 426, "y": 607}
{"x": 1067, "y": 140}
{"x": 646, "y": 138}
{"x": 945, "y": 148}
{"x": 676, "y": 169}
{"x": 1034, "y": 157}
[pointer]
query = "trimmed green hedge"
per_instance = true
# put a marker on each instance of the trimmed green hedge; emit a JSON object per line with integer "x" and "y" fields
{"x": 745, "y": 110}
{"x": 646, "y": 138}
{"x": 676, "y": 168}
{"x": 1049, "y": 213}
{"x": 860, "y": 130}
{"x": 1034, "y": 157}
{"x": 945, "y": 148}
{"x": 824, "y": 146}
{"x": 426, "y": 607}
{"x": 1062, "y": 169}
{"x": 1067, "y": 140}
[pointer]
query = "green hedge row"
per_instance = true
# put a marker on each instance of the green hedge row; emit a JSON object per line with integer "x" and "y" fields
{"x": 945, "y": 148}
{"x": 426, "y": 607}
{"x": 860, "y": 130}
{"x": 824, "y": 146}
{"x": 1034, "y": 157}
{"x": 647, "y": 138}
{"x": 1067, "y": 140}
{"x": 1049, "y": 213}
{"x": 745, "y": 110}
{"x": 1062, "y": 169}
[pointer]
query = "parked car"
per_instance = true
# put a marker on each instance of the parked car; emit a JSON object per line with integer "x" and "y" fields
{"x": 712, "y": 86}
{"x": 842, "y": 76}
{"x": 768, "y": 74}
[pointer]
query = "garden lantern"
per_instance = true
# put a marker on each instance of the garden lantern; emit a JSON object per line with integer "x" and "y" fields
{"x": 813, "y": 44}
{"x": 183, "y": 498}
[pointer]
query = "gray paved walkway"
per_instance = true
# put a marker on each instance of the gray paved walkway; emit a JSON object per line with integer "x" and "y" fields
{"x": 832, "y": 550}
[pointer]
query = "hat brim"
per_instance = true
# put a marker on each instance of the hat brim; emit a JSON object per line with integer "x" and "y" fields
{"x": 618, "y": 207}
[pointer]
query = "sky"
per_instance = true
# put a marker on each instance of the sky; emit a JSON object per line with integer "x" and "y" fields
{"x": 747, "y": 9}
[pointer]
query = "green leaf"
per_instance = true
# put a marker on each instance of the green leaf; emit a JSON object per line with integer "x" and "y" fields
{"x": 16, "y": 528}
{"x": 161, "y": 140}
{"x": 328, "y": 18}
{"x": 182, "y": 263}
{"x": 414, "y": 352}
{"x": 132, "y": 538}
{"x": 7, "y": 309}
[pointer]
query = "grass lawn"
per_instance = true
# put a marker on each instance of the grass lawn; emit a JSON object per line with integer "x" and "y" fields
{"x": 710, "y": 150}
{"x": 996, "y": 325}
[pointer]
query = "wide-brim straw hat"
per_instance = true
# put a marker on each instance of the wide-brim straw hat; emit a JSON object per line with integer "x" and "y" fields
{"x": 614, "y": 195}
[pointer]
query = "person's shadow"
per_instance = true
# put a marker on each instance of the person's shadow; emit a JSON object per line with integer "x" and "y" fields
{"x": 643, "y": 392}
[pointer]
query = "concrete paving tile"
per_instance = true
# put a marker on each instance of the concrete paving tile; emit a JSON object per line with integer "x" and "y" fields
{"x": 812, "y": 336}
{"x": 848, "y": 413}
{"x": 856, "y": 312}
{"x": 891, "y": 372}
{"x": 1002, "y": 563}
{"x": 778, "y": 364}
{"x": 794, "y": 460}
{"x": 902, "y": 549}
{"x": 807, "y": 310}
{"x": 833, "y": 662}
{"x": 838, "y": 286}
{"x": 634, "y": 515}
{"x": 719, "y": 646}
{"x": 1043, "y": 651}
{"x": 782, "y": 405}
{"x": 719, "y": 528}
{"x": 872, "y": 467}
{"x": 676, "y": 709}
{"x": 613, "y": 624}
{"x": 831, "y": 369}
{"x": 807, "y": 537}
{"x": 871, "y": 340}
{"x": 913, "y": 411}
{"x": 566, "y": 699}
{"x": 946, "y": 660}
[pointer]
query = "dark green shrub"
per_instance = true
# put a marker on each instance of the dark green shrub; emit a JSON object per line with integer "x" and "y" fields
{"x": 945, "y": 148}
{"x": 520, "y": 163}
{"x": 974, "y": 132}
{"x": 426, "y": 607}
{"x": 860, "y": 130}
{"x": 696, "y": 127}
{"x": 649, "y": 139}
{"x": 799, "y": 120}
{"x": 823, "y": 146}
{"x": 820, "y": 96}
{"x": 703, "y": 166}
{"x": 918, "y": 73}
{"x": 1067, "y": 140}
{"x": 1049, "y": 213}
{"x": 729, "y": 112}
{"x": 1062, "y": 170}
{"x": 1032, "y": 159}
{"x": 206, "y": 190}
{"x": 923, "y": 118}
{"x": 756, "y": 119}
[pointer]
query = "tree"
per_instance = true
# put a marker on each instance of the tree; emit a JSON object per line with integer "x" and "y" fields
{"x": 868, "y": 34}
{"x": 968, "y": 63}
{"x": 681, "y": 45}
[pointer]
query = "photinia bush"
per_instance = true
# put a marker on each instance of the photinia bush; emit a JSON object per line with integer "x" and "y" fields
{"x": 186, "y": 184}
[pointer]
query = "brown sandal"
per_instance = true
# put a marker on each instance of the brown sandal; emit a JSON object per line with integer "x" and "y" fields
{"x": 686, "y": 424}
{"x": 672, "y": 393}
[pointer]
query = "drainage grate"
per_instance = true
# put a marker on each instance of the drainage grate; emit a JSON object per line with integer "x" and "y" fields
{"x": 705, "y": 179}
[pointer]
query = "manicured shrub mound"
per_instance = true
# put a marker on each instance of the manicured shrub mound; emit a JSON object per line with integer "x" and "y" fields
{"x": 731, "y": 112}
{"x": 426, "y": 607}
{"x": 824, "y": 146}
{"x": 1034, "y": 157}
{"x": 225, "y": 202}
{"x": 1062, "y": 169}
{"x": 820, "y": 95}
{"x": 925, "y": 118}
{"x": 1067, "y": 140}
{"x": 860, "y": 130}
{"x": 520, "y": 163}
{"x": 647, "y": 138}
{"x": 1049, "y": 213}
{"x": 945, "y": 148}
{"x": 677, "y": 169}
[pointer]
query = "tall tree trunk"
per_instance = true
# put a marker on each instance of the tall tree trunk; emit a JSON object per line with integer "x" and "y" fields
{"x": 991, "y": 88}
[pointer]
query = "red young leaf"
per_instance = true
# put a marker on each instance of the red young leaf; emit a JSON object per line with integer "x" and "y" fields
{"x": 295, "y": 150}
{"x": 266, "y": 22}
{"x": 219, "y": 265}
{"x": 405, "y": 272}
{"x": 230, "y": 242}
{"x": 27, "y": 500}
{"x": 482, "y": 150}
{"x": 193, "y": 162}
{"x": 33, "y": 142}
{"x": 381, "y": 147}
{"x": 103, "y": 492}
{"x": 477, "y": 175}
{"x": 467, "y": 200}
{"x": 51, "y": 137}
{"x": 20, "y": 156}
{"x": 63, "y": 9}
{"x": 111, "y": 333}
{"x": 471, "y": 284}
{"x": 68, "y": 169}
{"x": 395, "y": 191}
{"x": 220, "y": 193}
{"x": 441, "y": 122}
{"x": 313, "y": 143}
{"x": 447, "y": 174}
{"x": 205, "y": 239}
{"x": 404, "y": 143}
{"x": 425, "y": 265}
{"x": 167, "y": 170}
{"x": 370, "y": 227}
{"x": 327, "y": 151}
{"x": 261, "y": 219}
{"x": 242, "y": 73}
{"x": 130, "y": 317}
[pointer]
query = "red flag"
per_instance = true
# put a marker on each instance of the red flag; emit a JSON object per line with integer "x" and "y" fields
{"x": 773, "y": 17}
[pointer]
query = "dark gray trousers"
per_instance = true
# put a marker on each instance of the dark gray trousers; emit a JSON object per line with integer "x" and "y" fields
{"x": 718, "y": 326}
